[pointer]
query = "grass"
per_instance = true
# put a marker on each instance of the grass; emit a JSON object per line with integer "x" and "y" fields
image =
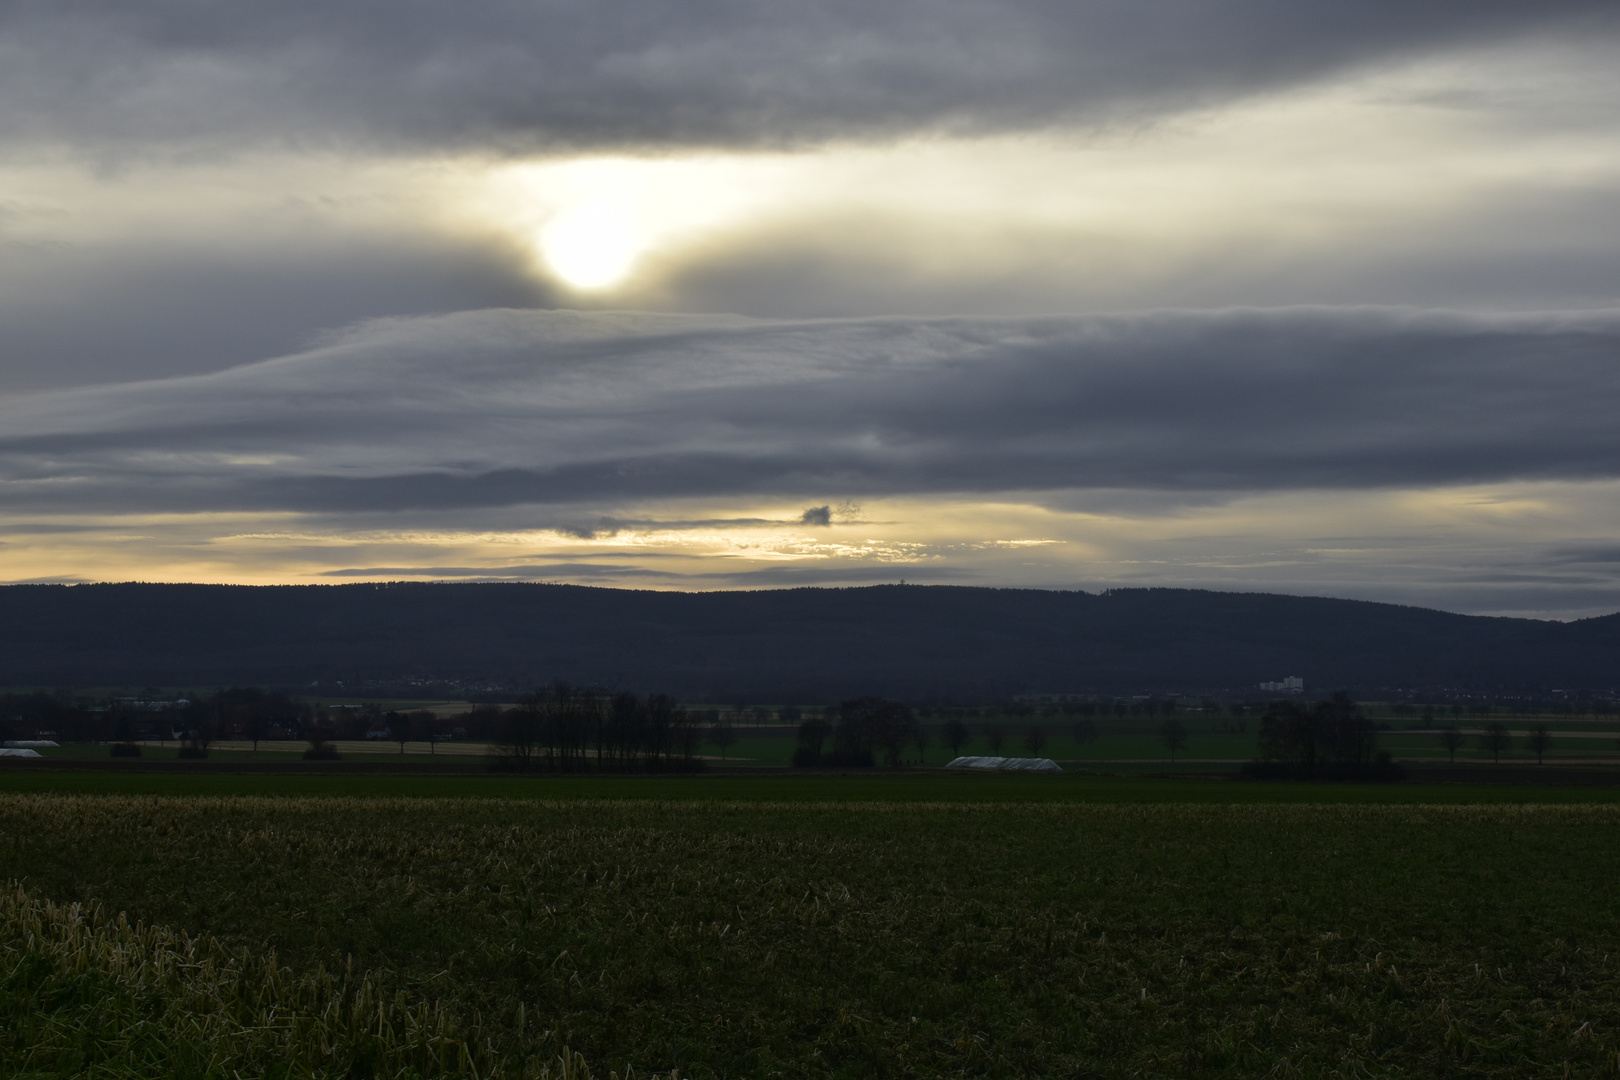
{"x": 729, "y": 933}
{"x": 1212, "y": 744}
{"x": 278, "y": 751}
{"x": 777, "y": 749}
{"x": 920, "y": 786}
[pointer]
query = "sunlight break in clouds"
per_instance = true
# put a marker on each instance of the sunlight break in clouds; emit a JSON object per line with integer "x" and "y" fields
{"x": 1250, "y": 294}
{"x": 592, "y": 246}
{"x": 1340, "y": 178}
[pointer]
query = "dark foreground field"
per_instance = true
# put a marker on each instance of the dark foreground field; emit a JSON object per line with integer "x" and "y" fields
{"x": 748, "y": 937}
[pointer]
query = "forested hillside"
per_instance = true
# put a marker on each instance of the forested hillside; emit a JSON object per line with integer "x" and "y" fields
{"x": 796, "y": 644}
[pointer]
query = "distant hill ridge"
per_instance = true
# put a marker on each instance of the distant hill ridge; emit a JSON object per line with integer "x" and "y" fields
{"x": 805, "y": 645}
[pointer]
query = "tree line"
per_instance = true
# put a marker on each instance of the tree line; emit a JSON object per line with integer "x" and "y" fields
{"x": 1322, "y": 740}
{"x": 568, "y": 729}
{"x": 196, "y": 721}
{"x": 1495, "y": 739}
{"x": 860, "y": 732}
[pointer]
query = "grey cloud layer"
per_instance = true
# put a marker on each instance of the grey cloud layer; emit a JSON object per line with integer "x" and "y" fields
{"x": 577, "y": 73}
{"x": 496, "y": 408}
{"x": 159, "y": 312}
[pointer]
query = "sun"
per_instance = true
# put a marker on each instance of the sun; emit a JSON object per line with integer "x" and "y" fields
{"x": 590, "y": 247}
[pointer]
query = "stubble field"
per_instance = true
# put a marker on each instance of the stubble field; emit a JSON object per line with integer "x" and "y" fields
{"x": 755, "y": 938}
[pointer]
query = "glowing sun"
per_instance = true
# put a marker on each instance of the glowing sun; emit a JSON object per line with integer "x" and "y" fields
{"x": 590, "y": 247}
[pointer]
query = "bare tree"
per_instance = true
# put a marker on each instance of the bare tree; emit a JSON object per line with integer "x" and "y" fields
{"x": 519, "y": 739}
{"x": 1331, "y": 734}
{"x": 202, "y": 724}
{"x": 564, "y": 719}
{"x": 920, "y": 739}
{"x": 956, "y": 736}
{"x": 255, "y": 721}
{"x": 318, "y": 731}
{"x": 688, "y": 736}
{"x": 399, "y": 728}
{"x": 1539, "y": 741}
{"x": 1085, "y": 730}
{"x": 1495, "y": 739}
{"x": 1035, "y": 741}
{"x": 248, "y": 712}
{"x": 869, "y": 725}
{"x": 123, "y": 732}
{"x": 424, "y": 725}
{"x": 813, "y": 733}
{"x": 1452, "y": 740}
{"x": 994, "y": 736}
{"x": 887, "y": 725}
{"x": 723, "y": 735}
{"x": 1173, "y": 733}
{"x": 663, "y": 720}
{"x": 627, "y": 731}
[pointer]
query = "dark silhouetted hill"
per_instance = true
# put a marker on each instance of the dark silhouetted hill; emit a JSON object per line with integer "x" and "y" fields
{"x": 794, "y": 644}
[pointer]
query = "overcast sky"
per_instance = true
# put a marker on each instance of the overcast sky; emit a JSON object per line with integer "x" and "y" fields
{"x": 1302, "y": 297}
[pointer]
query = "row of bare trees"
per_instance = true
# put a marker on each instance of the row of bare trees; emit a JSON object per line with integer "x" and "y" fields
{"x": 1495, "y": 739}
{"x": 1329, "y": 739}
{"x": 568, "y": 729}
{"x": 194, "y": 720}
{"x": 861, "y": 731}
{"x": 865, "y": 728}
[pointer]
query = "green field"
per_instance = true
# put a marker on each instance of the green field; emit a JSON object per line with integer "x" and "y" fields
{"x": 806, "y": 926}
{"x": 282, "y": 752}
{"x": 1209, "y": 742}
{"x": 1210, "y": 745}
{"x": 909, "y": 786}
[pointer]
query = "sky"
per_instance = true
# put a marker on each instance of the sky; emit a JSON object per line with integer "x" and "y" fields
{"x": 1263, "y": 295}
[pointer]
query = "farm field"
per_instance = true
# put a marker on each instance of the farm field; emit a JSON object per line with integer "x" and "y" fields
{"x": 1222, "y": 743}
{"x": 907, "y": 786}
{"x": 1212, "y": 740}
{"x": 1571, "y": 743}
{"x": 825, "y": 926}
{"x": 273, "y": 751}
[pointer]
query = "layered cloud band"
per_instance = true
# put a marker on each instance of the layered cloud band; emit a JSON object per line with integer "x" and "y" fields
{"x": 500, "y": 408}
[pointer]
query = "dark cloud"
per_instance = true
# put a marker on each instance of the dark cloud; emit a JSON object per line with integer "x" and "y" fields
{"x": 54, "y": 579}
{"x": 163, "y": 309}
{"x": 534, "y": 572}
{"x": 582, "y": 74}
{"x": 817, "y": 573}
{"x": 843, "y": 573}
{"x": 31, "y": 528}
{"x": 1599, "y": 554}
{"x": 610, "y": 526}
{"x": 503, "y": 408}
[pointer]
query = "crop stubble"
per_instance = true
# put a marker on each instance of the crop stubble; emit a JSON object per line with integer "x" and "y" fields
{"x": 899, "y": 939}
